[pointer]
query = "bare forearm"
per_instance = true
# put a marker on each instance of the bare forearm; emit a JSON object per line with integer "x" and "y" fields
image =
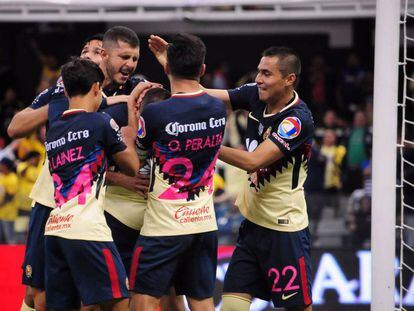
{"x": 239, "y": 158}
{"x": 117, "y": 179}
{"x": 27, "y": 121}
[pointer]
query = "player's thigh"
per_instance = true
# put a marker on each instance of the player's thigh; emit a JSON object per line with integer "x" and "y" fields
{"x": 97, "y": 269}
{"x": 61, "y": 290}
{"x": 154, "y": 263}
{"x": 172, "y": 302}
{"x": 288, "y": 270}
{"x": 196, "y": 271}
{"x": 144, "y": 302}
{"x": 201, "y": 304}
{"x": 34, "y": 259}
{"x": 115, "y": 305}
{"x": 125, "y": 239}
{"x": 244, "y": 274}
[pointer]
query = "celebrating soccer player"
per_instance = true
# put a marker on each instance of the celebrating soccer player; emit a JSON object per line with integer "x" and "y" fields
{"x": 178, "y": 241}
{"x": 82, "y": 262}
{"x": 272, "y": 256}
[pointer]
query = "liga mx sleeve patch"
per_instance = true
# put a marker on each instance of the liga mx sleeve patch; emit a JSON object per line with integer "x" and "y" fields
{"x": 141, "y": 128}
{"x": 289, "y": 128}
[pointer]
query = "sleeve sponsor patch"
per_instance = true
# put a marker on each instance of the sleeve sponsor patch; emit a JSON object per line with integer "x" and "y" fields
{"x": 141, "y": 128}
{"x": 289, "y": 128}
{"x": 114, "y": 125}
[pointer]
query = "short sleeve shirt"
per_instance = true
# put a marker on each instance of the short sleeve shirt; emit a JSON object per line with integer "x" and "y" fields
{"x": 78, "y": 145}
{"x": 273, "y": 197}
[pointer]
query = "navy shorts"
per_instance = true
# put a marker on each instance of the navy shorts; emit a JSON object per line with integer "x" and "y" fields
{"x": 125, "y": 239}
{"x": 34, "y": 256}
{"x": 87, "y": 271}
{"x": 187, "y": 262}
{"x": 271, "y": 265}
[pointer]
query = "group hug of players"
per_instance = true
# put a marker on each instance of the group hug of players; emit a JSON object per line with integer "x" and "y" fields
{"x": 123, "y": 215}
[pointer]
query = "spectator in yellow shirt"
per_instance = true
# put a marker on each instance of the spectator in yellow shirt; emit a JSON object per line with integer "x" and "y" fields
{"x": 8, "y": 201}
{"x": 27, "y": 172}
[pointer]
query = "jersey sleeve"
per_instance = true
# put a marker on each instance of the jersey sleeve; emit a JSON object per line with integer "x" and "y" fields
{"x": 111, "y": 135}
{"x": 292, "y": 132}
{"x": 42, "y": 99}
{"x": 243, "y": 96}
{"x": 145, "y": 135}
{"x": 56, "y": 107}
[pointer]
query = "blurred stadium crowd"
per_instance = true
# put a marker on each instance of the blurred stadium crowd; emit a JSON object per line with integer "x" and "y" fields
{"x": 338, "y": 187}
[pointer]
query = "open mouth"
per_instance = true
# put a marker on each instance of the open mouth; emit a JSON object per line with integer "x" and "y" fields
{"x": 125, "y": 73}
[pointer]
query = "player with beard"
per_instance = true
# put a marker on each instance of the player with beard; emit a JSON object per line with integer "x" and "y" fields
{"x": 23, "y": 123}
{"x": 82, "y": 262}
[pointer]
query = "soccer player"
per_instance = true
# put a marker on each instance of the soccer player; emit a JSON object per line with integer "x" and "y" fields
{"x": 272, "y": 256}
{"x": 178, "y": 241}
{"x": 82, "y": 263}
{"x": 23, "y": 123}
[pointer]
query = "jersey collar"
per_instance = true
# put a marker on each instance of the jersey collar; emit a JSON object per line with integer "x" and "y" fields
{"x": 70, "y": 112}
{"x": 192, "y": 94}
{"x": 292, "y": 102}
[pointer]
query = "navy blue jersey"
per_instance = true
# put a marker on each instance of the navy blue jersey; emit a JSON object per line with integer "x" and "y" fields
{"x": 52, "y": 93}
{"x": 274, "y": 196}
{"x": 119, "y": 111}
{"x": 77, "y": 145}
{"x": 184, "y": 134}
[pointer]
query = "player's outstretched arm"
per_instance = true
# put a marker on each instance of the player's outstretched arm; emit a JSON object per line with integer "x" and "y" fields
{"x": 27, "y": 121}
{"x": 111, "y": 100}
{"x": 127, "y": 160}
{"x": 264, "y": 155}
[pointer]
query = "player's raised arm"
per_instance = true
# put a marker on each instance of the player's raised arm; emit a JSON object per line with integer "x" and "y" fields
{"x": 27, "y": 121}
{"x": 158, "y": 47}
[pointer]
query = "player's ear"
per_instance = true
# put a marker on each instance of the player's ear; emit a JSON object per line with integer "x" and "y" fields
{"x": 291, "y": 79}
{"x": 104, "y": 53}
{"x": 96, "y": 88}
{"x": 202, "y": 70}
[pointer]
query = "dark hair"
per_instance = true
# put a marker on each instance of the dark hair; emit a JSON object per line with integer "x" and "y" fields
{"x": 79, "y": 75}
{"x": 185, "y": 56}
{"x": 9, "y": 164}
{"x": 31, "y": 154}
{"x": 288, "y": 60}
{"x": 154, "y": 95}
{"x": 97, "y": 37}
{"x": 121, "y": 33}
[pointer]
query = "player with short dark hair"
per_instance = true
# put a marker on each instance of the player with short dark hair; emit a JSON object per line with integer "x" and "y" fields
{"x": 272, "y": 255}
{"x": 23, "y": 123}
{"x": 82, "y": 262}
{"x": 120, "y": 55}
{"x": 178, "y": 242}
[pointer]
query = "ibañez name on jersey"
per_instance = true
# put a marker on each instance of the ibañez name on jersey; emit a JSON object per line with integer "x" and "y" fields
{"x": 77, "y": 145}
{"x": 183, "y": 134}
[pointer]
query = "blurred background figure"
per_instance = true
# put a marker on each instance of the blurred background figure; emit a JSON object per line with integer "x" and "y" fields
{"x": 8, "y": 201}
